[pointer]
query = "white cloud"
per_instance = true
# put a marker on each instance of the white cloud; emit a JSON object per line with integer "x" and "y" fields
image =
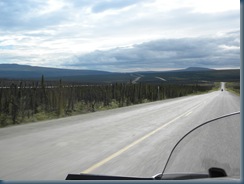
{"x": 210, "y": 6}
{"x": 53, "y": 31}
{"x": 198, "y": 6}
{"x": 231, "y": 47}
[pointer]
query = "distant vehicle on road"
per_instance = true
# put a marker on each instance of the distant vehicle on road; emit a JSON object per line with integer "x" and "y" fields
{"x": 222, "y": 90}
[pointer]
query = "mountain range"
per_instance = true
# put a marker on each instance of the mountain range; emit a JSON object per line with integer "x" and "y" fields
{"x": 26, "y": 72}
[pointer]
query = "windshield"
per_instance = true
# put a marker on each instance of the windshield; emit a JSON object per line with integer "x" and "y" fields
{"x": 214, "y": 144}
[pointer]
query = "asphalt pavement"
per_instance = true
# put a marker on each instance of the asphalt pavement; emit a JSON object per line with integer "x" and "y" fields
{"x": 128, "y": 141}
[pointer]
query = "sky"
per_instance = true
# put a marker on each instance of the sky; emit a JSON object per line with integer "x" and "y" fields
{"x": 121, "y": 35}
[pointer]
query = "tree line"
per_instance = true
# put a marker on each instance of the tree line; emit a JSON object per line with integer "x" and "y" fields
{"x": 21, "y": 102}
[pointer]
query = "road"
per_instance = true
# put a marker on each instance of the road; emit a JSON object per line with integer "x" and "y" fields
{"x": 132, "y": 141}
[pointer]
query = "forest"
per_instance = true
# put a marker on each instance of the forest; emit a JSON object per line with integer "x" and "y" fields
{"x": 22, "y": 102}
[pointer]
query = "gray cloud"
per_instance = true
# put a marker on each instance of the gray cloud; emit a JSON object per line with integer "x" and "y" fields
{"x": 23, "y": 15}
{"x": 39, "y": 32}
{"x": 168, "y": 53}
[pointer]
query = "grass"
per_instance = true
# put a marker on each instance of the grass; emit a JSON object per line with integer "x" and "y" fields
{"x": 233, "y": 87}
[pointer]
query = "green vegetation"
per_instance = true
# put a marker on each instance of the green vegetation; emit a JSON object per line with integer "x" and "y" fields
{"x": 172, "y": 77}
{"x": 183, "y": 77}
{"x": 22, "y": 101}
{"x": 233, "y": 87}
{"x": 216, "y": 86}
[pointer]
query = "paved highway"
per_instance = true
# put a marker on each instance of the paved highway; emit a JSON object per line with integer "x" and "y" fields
{"x": 132, "y": 141}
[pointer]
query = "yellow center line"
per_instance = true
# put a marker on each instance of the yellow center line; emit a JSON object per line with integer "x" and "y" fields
{"x": 95, "y": 166}
{"x": 188, "y": 113}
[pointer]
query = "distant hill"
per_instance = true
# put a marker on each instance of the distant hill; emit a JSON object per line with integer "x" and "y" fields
{"x": 196, "y": 69}
{"x": 189, "y": 69}
{"x": 26, "y": 71}
{"x": 188, "y": 75}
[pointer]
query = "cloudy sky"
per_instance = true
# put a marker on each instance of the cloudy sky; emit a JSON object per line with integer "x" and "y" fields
{"x": 121, "y": 35}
